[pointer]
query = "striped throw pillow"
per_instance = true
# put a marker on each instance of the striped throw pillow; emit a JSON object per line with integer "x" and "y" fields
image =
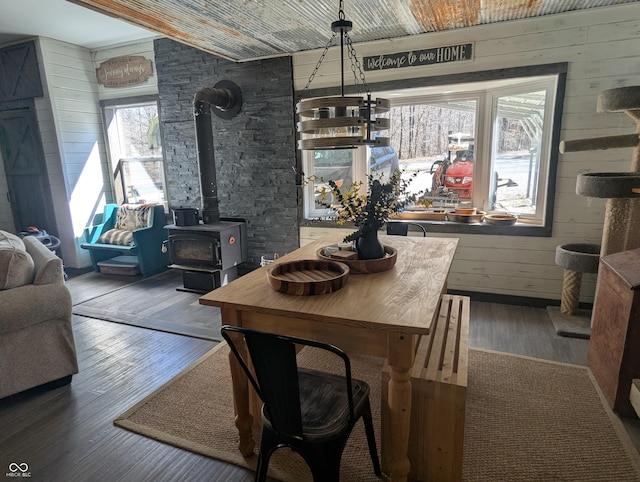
{"x": 117, "y": 236}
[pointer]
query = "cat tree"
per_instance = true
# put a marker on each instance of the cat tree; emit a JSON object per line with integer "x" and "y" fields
{"x": 620, "y": 232}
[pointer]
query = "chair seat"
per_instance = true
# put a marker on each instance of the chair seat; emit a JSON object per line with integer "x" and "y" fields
{"x": 324, "y": 403}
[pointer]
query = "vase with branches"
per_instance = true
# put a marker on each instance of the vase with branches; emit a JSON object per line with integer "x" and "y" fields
{"x": 368, "y": 211}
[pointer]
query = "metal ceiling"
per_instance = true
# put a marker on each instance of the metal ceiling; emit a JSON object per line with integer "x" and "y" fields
{"x": 249, "y": 29}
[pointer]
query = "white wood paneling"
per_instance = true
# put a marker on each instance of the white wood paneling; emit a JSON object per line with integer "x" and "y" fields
{"x": 601, "y": 47}
{"x": 71, "y": 108}
{"x": 72, "y": 133}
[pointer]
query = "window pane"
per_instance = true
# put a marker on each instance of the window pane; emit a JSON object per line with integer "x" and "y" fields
{"x": 516, "y": 159}
{"x": 436, "y": 142}
{"x": 135, "y": 149}
{"x": 143, "y": 180}
{"x": 332, "y": 165}
{"x": 383, "y": 161}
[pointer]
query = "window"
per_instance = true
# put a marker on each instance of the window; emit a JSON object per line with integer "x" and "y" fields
{"x": 485, "y": 143}
{"x": 135, "y": 151}
{"x": 344, "y": 167}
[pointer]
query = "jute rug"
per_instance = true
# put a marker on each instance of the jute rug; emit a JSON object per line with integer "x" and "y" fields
{"x": 156, "y": 303}
{"x": 526, "y": 420}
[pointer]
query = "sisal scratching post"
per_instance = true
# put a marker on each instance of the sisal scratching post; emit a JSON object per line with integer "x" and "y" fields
{"x": 570, "y": 292}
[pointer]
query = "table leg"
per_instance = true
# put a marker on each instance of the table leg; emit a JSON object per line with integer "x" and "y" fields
{"x": 240, "y": 382}
{"x": 401, "y": 354}
{"x": 244, "y": 420}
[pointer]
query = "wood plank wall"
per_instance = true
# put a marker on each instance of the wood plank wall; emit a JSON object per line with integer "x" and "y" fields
{"x": 601, "y": 46}
{"x": 71, "y": 130}
{"x": 72, "y": 133}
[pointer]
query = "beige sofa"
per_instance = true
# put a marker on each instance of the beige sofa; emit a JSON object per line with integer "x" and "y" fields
{"x": 36, "y": 338}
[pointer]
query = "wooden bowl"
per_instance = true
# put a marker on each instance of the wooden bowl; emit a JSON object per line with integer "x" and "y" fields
{"x": 501, "y": 219}
{"x": 363, "y": 266}
{"x": 466, "y": 218}
{"x": 308, "y": 276}
{"x": 466, "y": 211}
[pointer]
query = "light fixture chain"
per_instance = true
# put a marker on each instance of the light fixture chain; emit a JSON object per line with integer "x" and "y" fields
{"x": 354, "y": 61}
{"x": 353, "y": 66}
{"x": 317, "y": 67}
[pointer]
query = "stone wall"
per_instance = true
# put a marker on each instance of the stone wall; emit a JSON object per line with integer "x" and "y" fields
{"x": 254, "y": 151}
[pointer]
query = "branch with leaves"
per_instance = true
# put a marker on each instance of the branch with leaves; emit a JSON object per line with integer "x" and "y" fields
{"x": 368, "y": 211}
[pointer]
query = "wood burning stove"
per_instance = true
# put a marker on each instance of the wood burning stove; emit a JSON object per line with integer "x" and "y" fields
{"x": 207, "y": 254}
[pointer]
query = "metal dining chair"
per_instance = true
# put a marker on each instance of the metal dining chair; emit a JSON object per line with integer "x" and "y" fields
{"x": 309, "y": 411}
{"x": 402, "y": 229}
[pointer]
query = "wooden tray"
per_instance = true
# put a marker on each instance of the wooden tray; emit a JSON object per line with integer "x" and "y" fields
{"x": 416, "y": 215}
{"x": 307, "y": 276}
{"x": 363, "y": 266}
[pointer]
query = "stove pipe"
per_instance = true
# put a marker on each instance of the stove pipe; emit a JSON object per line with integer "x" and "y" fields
{"x": 225, "y": 100}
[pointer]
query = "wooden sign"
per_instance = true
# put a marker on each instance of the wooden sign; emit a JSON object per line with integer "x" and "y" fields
{"x": 124, "y": 71}
{"x": 437, "y": 55}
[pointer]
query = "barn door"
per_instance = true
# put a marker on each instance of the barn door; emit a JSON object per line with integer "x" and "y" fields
{"x": 29, "y": 192}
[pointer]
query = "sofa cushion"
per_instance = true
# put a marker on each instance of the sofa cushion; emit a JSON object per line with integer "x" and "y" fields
{"x": 16, "y": 266}
{"x": 117, "y": 236}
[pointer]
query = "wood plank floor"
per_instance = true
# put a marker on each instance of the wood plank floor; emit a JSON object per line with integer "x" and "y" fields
{"x": 67, "y": 434}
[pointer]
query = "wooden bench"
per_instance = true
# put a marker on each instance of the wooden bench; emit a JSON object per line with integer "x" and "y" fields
{"x": 439, "y": 387}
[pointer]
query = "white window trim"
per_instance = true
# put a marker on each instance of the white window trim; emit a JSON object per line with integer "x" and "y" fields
{"x": 549, "y": 85}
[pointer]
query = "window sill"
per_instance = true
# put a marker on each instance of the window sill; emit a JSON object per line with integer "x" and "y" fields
{"x": 434, "y": 227}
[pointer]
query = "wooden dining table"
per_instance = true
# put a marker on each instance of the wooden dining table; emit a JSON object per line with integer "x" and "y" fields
{"x": 380, "y": 314}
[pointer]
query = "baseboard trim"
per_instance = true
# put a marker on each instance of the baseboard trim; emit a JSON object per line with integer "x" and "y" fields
{"x": 513, "y": 300}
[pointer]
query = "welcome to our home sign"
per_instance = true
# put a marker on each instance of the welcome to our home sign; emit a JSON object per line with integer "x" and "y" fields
{"x": 124, "y": 71}
{"x": 437, "y": 55}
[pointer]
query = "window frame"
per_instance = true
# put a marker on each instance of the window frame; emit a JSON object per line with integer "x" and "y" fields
{"x": 123, "y": 102}
{"x": 554, "y": 111}
{"x": 549, "y": 85}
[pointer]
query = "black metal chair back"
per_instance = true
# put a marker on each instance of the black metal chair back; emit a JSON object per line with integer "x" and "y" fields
{"x": 311, "y": 412}
{"x": 402, "y": 229}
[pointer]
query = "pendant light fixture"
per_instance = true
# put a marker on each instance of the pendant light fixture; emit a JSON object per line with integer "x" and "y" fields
{"x": 340, "y": 122}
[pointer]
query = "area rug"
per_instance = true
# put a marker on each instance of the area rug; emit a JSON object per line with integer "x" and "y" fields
{"x": 526, "y": 420}
{"x": 157, "y": 303}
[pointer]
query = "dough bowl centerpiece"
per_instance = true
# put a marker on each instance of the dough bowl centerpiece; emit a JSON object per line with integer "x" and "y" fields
{"x": 368, "y": 211}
